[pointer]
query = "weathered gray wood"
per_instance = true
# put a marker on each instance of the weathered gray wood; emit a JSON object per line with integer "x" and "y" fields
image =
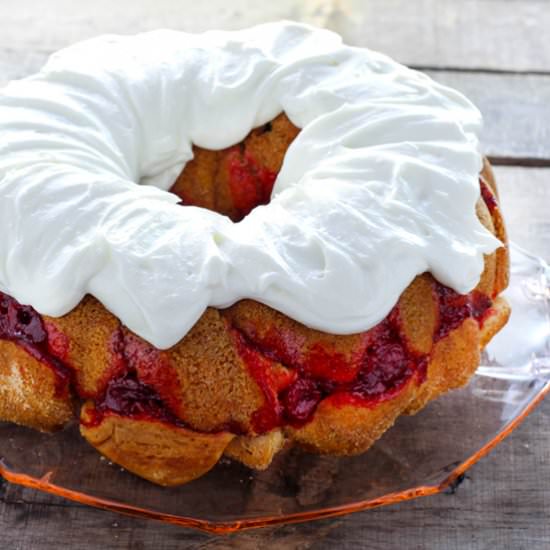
{"x": 493, "y": 34}
{"x": 515, "y": 108}
{"x": 504, "y": 503}
{"x": 525, "y": 195}
{"x": 472, "y": 34}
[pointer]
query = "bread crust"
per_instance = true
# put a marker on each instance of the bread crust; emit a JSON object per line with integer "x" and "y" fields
{"x": 219, "y": 378}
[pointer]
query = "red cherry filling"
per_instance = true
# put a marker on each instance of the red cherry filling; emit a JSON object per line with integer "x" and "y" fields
{"x": 455, "y": 308}
{"x": 141, "y": 384}
{"x": 262, "y": 370}
{"x": 20, "y": 323}
{"x": 301, "y": 400}
{"x": 152, "y": 368}
{"x": 317, "y": 361}
{"x": 488, "y": 196}
{"x": 249, "y": 182}
{"x": 127, "y": 396}
{"x": 387, "y": 365}
{"x": 23, "y": 325}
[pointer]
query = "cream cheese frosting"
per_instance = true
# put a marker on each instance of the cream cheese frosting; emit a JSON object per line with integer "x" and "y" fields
{"x": 379, "y": 186}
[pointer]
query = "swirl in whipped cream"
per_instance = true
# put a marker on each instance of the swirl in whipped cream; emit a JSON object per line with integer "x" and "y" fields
{"x": 379, "y": 186}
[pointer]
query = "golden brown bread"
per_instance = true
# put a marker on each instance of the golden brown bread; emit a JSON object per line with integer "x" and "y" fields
{"x": 256, "y": 451}
{"x": 29, "y": 393}
{"x": 206, "y": 179}
{"x": 225, "y": 387}
{"x": 159, "y": 452}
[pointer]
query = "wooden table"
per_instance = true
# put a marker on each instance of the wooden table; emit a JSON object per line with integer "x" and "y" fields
{"x": 498, "y": 52}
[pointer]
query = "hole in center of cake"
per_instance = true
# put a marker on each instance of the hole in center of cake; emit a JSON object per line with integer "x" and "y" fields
{"x": 234, "y": 181}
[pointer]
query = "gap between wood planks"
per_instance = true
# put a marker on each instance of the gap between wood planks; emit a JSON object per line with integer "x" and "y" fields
{"x": 478, "y": 70}
{"x": 523, "y": 162}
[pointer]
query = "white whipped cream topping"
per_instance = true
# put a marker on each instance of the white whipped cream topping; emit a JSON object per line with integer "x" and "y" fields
{"x": 380, "y": 185}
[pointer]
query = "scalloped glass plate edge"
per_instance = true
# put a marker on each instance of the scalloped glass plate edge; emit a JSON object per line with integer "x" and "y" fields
{"x": 532, "y": 276}
{"x": 222, "y": 528}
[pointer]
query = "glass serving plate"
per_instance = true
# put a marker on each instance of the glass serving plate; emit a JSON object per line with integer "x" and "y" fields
{"x": 420, "y": 456}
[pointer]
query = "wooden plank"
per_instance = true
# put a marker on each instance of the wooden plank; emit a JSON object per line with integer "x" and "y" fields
{"x": 504, "y": 503}
{"x": 525, "y": 195}
{"x": 492, "y": 34}
{"x": 495, "y": 34}
{"x": 515, "y": 108}
{"x": 49, "y": 26}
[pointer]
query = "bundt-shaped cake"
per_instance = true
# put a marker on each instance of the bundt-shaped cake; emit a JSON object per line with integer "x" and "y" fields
{"x": 247, "y": 378}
